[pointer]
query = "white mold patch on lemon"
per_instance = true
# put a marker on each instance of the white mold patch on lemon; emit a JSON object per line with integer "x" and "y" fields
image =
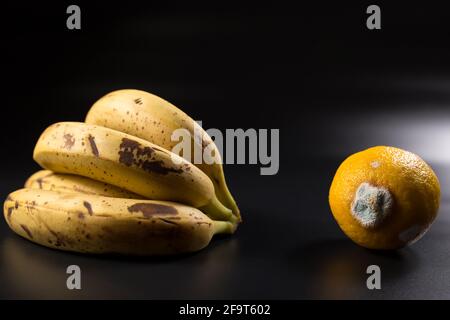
{"x": 371, "y": 205}
{"x": 375, "y": 164}
{"x": 412, "y": 234}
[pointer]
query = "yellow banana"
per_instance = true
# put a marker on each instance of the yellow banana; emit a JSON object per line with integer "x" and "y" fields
{"x": 48, "y": 180}
{"x": 127, "y": 162}
{"x": 96, "y": 224}
{"x": 152, "y": 118}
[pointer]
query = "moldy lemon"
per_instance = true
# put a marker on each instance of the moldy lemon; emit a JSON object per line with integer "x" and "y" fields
{"x": 384, "y": 197}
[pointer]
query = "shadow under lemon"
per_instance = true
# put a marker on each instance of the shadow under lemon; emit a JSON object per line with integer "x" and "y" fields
{"x": 337, "y": 269}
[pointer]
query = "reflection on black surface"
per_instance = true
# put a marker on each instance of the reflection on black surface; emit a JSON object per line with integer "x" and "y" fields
{"x": 338, "y": 267}
{"x": 28, "y": 270}
{"x": 211, "y": 277}
{"x": 32, "y": 271}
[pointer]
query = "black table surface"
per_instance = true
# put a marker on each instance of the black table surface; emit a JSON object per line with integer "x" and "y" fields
{"x": 289, "y": 247}
{"x": 331, "y": 86}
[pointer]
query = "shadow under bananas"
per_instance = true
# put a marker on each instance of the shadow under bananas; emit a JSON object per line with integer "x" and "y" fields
{"x": 30, "y": 271}
{"x": 35, "y": 272}
{"x": 336, "y": 269}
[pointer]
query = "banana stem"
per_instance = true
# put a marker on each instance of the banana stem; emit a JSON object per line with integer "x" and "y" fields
{"x": 217, "y": 211}
{"x": 223, "y": 227}
{"x": 224, "y": 194}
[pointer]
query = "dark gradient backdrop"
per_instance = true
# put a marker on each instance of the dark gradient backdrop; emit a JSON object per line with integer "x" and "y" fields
{"x": 314, "y": 71}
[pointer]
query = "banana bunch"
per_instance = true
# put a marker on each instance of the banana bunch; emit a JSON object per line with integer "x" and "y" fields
{"x": 149, "y": 117}
{"x": 112, "y": 185}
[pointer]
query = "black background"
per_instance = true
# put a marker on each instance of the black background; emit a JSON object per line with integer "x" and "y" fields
{"x": 316, "y": 72}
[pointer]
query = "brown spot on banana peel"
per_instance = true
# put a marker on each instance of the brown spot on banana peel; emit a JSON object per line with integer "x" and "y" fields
{"x": 81, "y": 215}
{"x": 150, "y": 209}
{"x": 29, "y": 208}
{"x": 93, "y": 146}
{"x": 168, "y": 221}
{"x": 28, "y": 232}
{"x": 131, "y": 146}
{"x": 158, "y": 167}
{"x": 10, "y": 210}
{"x": 69, "y": 141}
{"x": 60, "y": 239}
{"x": 202, "y": 222}
{"x": 81, "y": 190}
{"x": 132, "y": 153}
{"x": 88, "y": 206}
{"x": 138, "y": 101}
{"x": 127, "y": 149}
{"x": 40, "y": 180}
{"x": 104, "y": 215}
{"x": 205, "y": 144}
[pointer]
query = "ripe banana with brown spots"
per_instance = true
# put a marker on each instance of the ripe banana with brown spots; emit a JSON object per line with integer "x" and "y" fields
{"x": 95, "y": 224}
{"x": 154, "y": 119}
{"x": 127, "y": 162}
{"x": 49, "y": 180}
